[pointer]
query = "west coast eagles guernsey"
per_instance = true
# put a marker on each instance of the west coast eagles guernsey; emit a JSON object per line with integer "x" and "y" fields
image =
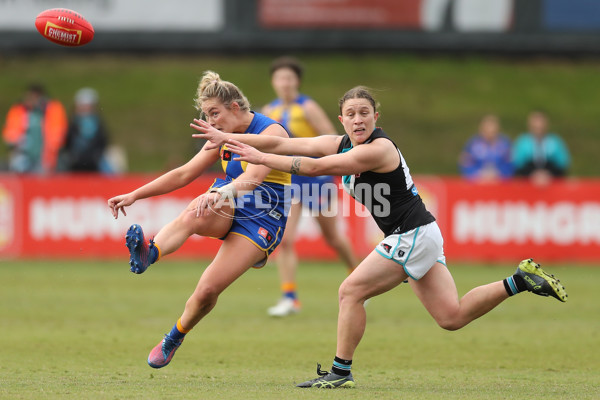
{"x": 260, "y": 215}
{"x": 292, "y": 116}
{"x": 233, "y": 168}
{"x": 391, "y": 197}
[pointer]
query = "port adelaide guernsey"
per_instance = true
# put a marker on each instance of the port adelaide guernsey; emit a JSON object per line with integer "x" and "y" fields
{"x": 391, "y": 197}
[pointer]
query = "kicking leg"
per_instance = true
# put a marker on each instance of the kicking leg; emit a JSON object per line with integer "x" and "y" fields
{"x": 174, "y": 234}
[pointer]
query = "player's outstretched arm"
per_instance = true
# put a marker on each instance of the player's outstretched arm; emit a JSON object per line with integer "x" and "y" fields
{"x": 166, "y": 183}
{"x": 313, "y": 147}
{"x": 370, "y": 157}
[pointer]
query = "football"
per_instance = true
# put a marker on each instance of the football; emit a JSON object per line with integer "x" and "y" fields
{"x": 64, "y": 27}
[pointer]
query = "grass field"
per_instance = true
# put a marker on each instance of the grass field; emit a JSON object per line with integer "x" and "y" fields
{"x": 83, "y": 330}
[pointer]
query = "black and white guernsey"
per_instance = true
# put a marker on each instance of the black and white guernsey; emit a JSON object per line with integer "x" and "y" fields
{"x": 391, "y": 197}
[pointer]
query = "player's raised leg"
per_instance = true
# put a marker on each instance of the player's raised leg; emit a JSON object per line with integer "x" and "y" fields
{"x": 172, "y": 236}
{"x": 437, "y": 292}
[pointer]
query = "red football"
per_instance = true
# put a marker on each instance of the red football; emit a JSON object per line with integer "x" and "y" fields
{"x": 64, "y": 27}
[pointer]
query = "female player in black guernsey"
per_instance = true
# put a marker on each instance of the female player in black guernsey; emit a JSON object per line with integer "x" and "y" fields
{"x": 375, "y": 174}
{"x": 391, "y": 197}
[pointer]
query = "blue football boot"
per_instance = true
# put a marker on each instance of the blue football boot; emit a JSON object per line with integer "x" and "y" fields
{"x": 138, "y": 249}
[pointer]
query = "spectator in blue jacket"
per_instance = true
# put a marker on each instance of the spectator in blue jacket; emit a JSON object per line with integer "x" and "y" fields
{"x": 487, "y": 155}
{"x": 539, "y": 154}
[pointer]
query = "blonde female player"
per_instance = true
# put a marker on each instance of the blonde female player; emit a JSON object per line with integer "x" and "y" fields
{"x": 302, "y": 117}
{"x": 250, "y": 231}
{"x": 375, "y": 173}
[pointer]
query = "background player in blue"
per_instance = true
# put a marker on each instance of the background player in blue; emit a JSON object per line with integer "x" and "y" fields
{"x": 247, "y": 209}
{"x": 376, "y": 174}
{"x": 302, "y": 117}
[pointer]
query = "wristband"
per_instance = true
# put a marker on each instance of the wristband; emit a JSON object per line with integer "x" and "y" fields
{"x": 228, "y": 190}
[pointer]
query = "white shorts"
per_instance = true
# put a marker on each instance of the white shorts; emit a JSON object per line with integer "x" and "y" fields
{"x": 416, "y": 250}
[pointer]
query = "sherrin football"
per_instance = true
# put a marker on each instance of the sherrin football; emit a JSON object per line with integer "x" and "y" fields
{"x": 64, "y": 27}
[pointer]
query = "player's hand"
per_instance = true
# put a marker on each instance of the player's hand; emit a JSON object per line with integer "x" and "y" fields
{"x": 119, "y": 203}
{"x": 207, "y": 202}
{"x": 245, "y": 152}
{"x": 215, "y": 137}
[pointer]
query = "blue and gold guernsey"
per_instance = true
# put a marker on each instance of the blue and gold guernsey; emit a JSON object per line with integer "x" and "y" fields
{"x": 293, "y": 118}
{"x": 260, "y": 215}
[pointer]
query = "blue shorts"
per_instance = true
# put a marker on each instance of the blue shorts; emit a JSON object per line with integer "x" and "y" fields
{"x": 311, "y": 193}
{"x": 260, "y": 216}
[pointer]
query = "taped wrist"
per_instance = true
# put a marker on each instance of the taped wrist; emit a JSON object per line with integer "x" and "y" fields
{"x": 228, "y": 190}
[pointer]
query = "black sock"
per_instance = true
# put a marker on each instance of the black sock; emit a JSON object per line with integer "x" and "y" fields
{"x": 514, "y": 284}
{"x": 341, "y": 367}
{"x": 520, "y": 282}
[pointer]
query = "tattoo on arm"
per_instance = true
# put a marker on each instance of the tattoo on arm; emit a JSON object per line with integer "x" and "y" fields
{"x": 295, "y": 168}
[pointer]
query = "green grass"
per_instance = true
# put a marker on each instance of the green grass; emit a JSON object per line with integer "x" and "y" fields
{"x": 148, "y": 101}
{"x": 83, "y": 330}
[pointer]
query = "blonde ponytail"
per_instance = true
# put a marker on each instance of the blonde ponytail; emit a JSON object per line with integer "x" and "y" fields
{"x": 212, "y": 86}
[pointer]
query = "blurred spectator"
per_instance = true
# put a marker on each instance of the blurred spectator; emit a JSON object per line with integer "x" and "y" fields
{"x": 87, "y": 140}
{"x": 35, "y": 131}
{"x": 539, "y": 154}
{"x": 115, "y": 158}
{"x": 486, "y": 156}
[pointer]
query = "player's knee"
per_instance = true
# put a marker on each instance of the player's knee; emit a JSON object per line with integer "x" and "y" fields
{"x": 342, "y": 292}
{"x": 209, "y": 225}
{"x": 190, "y": 220}
{"x": 347, "y": 292}
{"x": 450, "y": 324}
{"x": 204, "y": 297}
{"x": 186, "y": 222}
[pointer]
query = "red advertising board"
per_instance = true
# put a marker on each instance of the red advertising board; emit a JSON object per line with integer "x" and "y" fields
{"x": 515, "y": 220}
{"x": 68, "y": 217}
{"x": 350, "y": 14}
{"x": 402, "y": 15}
